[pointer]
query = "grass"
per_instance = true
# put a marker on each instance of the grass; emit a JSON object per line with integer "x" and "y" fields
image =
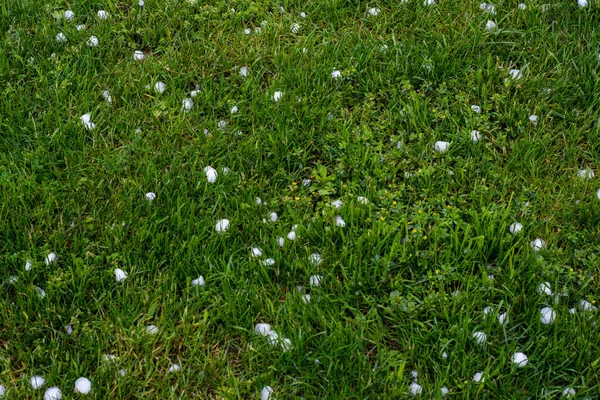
{"x": 404, "y": 282}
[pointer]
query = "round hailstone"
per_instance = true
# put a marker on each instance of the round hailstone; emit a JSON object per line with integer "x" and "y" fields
{"x": 362, "y": 200}
{"x": 547, "y": 315}
{"x": 315, "y": 259}
{"x": 69, "y": 329}
{"x": 258, "y": 201}
{"x": 415, "y": 389}
{"x": 515, "y": 74}
{"x": 221, "y": 124}
{"x": 373, "y": 11}
{"x": 273, "y": 217}
{"x": 444, "y": 391}
{"x": 122, "y": 372}
{"x": 478, "y": 377}
{"x": 268, "y": 262}
{"x": 339, "y": 221}
{"x": 37, "y": 381}
{"x": 582, "y": 3}
{"x": 103, "y": 15}
{"x": 520, "y": 359}
{"x": 503, "y": 319}
{"x": 106, "y": 95}
{"x": 175, "y": 368}
{"x": 86, "y": 120}
{"x": 585, "y": 173}
{"x": 487, "y": 310}
{"x": 515, "y": 227}
{"x": 272, "y": 338}
{"x": 69, "y": 15}
{"x": 152, "y": 329}
{"x": 335, "y": 74}
{"x": 286, "y": 344}
{"x": 256, "y": 252}
{"x": 141, "y": 3}
{"x": 572, "y": 310}
{"x": 295, "y": 28}
{"x": 92, "y": 41}
{"x": 198, "y": 282}
{"x": 41, "y": 293}
{"x": 490, "y": 26}
{"x": 533, "y": 119}
{"x": 80, "y": 27}
{"x": 568, "y": 393}
{"x": 138, "y": 55}
{"x": 266, "y": 392}
{"x": 538, "y": 244}
{"x": 61, "y": 38}
{"x": 445, "y": 355}
{"x": 544, "y": 288}
{"x": 211, "y": 174}
{"x": 222, "y": 225}
{"x": 315, "y": 280}
{"x": 415, "y": 374}
{"x": 160, "y": 87}
{"x": 247, "y": 31}
{"x": 83, "y": 385}
{"x": 120, "y": 275}
{"x": 186, "y": 104}
{"x": 150, "y": 196}
{"x": 50, "y": 258}
{"x": 585, "y": 305}
{"x": 337, "y": 204}
{"x": 244, "y": 71}
{"x": 476, "y": 109}
{"x": 262, "y": 329}
{"x": 302, "y": 14}
{"x": 234, "y": 110}
{"x": 28, "y": 265}
{"x": 306, "y": 182}
{"x": 194, "y": 93}
{"x": 2, "y": 390}
{"x": 277, "y": 95}
{"x": 306, "y": 298}
{"x": 281, "y": 241}
{"x": 475, "y": 136}
{"x": 522, "y": 6}
{"x": 440, "y": 146}
{"x": 480, "y": 337}
{"x": 427, "y": 3}
{"x": 53, "y": 393}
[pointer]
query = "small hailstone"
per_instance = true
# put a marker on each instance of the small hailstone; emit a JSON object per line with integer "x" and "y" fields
{"x": 272, "y": 337}
{"x": 198, "y": 282}
{"x": 339, "y": 221}
{"x": 122, "y": 372}
{"x": 268, "y": 262}
{"x": 520, "y": 359}
{"x": 478, "y": 377}
{"x": 399, "y": 145}
{"x": 444, "y": 391}
{"x": 306, "y": 298}
{"x": 582, "y": 3}
{"x": 585, "y": 173}
{"x": 53, "y": 393}
{"x": 533, "y": 119}
{"x": 547, "y": 315}
{"x": 262, "y": 329}
{"x": 194, "y": 93}
{"x": 234, "y": 109}
{"x": 41, "y": 293}
{"x": 277, "y": 95}
{"x": 569, "y": 392}
{"x": 515, "y": 74}
{"x": 83, "y": 385}
{"x": 306, "y": 182}
{"x": 150, "y": 196}
{"x": 103, "y": 15}
{"x": 211, "y": 174}
{"x": 69, "y": 329}
{"x": 585, "y": 305}
{"x": 302, "y": 14}
{"x": 286, "y": 344}
{"x": 80, "y": 27}
{"x": 475, "y": 136}
{"x": 315, "y": 280}
{"x": 92, "y": 41}
{"x": 256, "y": 252}
{"x": 480, "y": 337}
{"x": 152, "y": 329}
{"x": 538, "y": 244}
{"x": 315, "y": 259}
{"x": 175, "y": 368}
{"x": 490, "y": 26}
{"x": 110, "y": 358}
{"x": 373, "y": 11}
{"x": 69, "y": 15}
{"x": 488, "y": 8}
{"x": 258, "y": 201}
{"x": 86, "y": 120}
{"x": 415, "y": 374}
{"x": 244, "y": 71}
{"x": 120, "y": 275}
{"x": 429, "y": 3}
{"x": 266, "y": 392}
{"x": 522, "y": 6}
{"x": 28, "y": 265}
{"x": 221, "y": 124}
{"x": 337, "y": 204}
{"x": 280, "y": 241}
{"x": 598, "y": 193}
{"x": 273, "y": 217}
{"x": 61, "y": 38}
{"x": 440, "y": 146}
{"x": 294, "y": 227}
{"x": 106, "y": 96}
{"x": 415, "y": 389}
{"x": 572, "y": 310}
{"x": 487, "y": 310}
{"x": 476, "y": 109}
{"x": 138, "y": 55}
{"x": 335, "y": 74}
{"x": 295, "y": 28}
{"x": 247, "y": 31}
{"x": 186, "y": 104}
{"x": 515, "y": 228}
{"x": 257, "y": 29}
{"x": 2, "y": 390}
{"x": 445, "y": 355}
{"x": 544, "y": 288}
{"x": 362, "y": 200}
{"x": 503, "y": 319}
{"x": 37, "y": 381}
{"x": 225, "y": 171}
{"x": 50, "y": 258}
{"x": 141, "y": 3}
{"x": 160, "y": 87}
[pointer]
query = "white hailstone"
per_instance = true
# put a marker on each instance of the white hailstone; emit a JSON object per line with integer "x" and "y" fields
{"x": 490, "y": 26}
{"x": 141, "y": 3}
{"x": 337, "y": 204}
{"x": 286, "y": 344}
{"x": 69, "y": 329}
{"x": 429, "y": 3}
{"x": 538, "y": 244}
{"x": 256, "y": 252}
{"x": 151, "y": 329}
{"x": 103, "y": 15}
{"x": 445, "y": 355}
{"x": 572, "y": 310}
{"x": 569, "y": 392}
{"x": 86, "y": 120}
{"x": 194, "y": 93}
{"x": 302, "y": 14}
{"x": 175, "y": 368}
{"x": 586, "y": 305}
{"x": 444, "y": 391}
{"x": 373, "y": 11}
{"x": 273, "y": 217}
{"x": 295, "y": 28}
{"x": 50, "y": 258}
{"x": 257, "y": 29}
{"x": 186, "y": 104}
{"x": 53, "y": 393}
{"x": 294, "y": 227}
{"x": 160, "y": 87}
{"x": 234, "y": 109}
{"x": 440, "y": 146}
{"x": 262, "y": 329}
{"x": 478, "y": 377}
{"x": 415, "y": 374}
{"x": 222, "y": 225}
{"x": 247, "y": 31}
{"x": 211, "y": 174}
{"x": 544, "y": 288}
{"x": 475, "y": 136}
{"x": 547, "y": 315}
{"x": 280, "y": 241}
{"x": 335, "y": 74}
{"x": 272, "y": 337}
{"x": 533, "y": 119}
{"x": 120, "y": 275}
{"x": 339, "y": 221}
{"x": 315, "y": 259}
{"x": 83, "y": 385}
{"x": 106, "y": 95}
{"x": 476, "y": 109}
{"x": 41, "y": 293}
{"x": 266, "y": 392}
{"x": 520, "y": 359}
{"x": 61, "y": 38}
{"x": 306, "y": 298}
{"x": 198, "y": 282}
{"x": 487, "y": 310}
{"x": 415, "y": 389}
{"x": 69, "y": 15}
{"x": 92, "y": 41}
{"x": 221, "y": 124}
{"x": 2, "y": 390}
{"x": 522, "y": 6}
{"x": 362, "y": 200}
{"x": 315, "y": 280}
{"x": 36, "y": 381}
{"x": 488, "y": 8}
{"x": 28, "y": 265}
{"x": 480, "y": 337}
{"x": 515, "y": 228}
{"x": 122, "y": 372}
{"x": 244, "y": 71}
{"x": 306, "y": 182}
{"x": 258, "y": 201}
{"x": 80, "y": 27}
{"x": 150, "y": 196}
{"x": 109, "y": 358}
{"x": 277, "y": 95}
{"x": 582, "y": 3}
{"x": 138, "y": 55}
{"x": 268, "y": 262}
{"x": 399, "y": 145}
{"x": 503, "y": 319}
{"x": 598, "y": 193}
{"x": 585, "y": 173}
{"x": 515, "y": 74}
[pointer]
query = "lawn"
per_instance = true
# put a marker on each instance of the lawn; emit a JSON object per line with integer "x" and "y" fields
{"x": 319, "y": 199}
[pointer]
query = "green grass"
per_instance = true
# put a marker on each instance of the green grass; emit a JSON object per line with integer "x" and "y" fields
{"x": 435, "y": 223}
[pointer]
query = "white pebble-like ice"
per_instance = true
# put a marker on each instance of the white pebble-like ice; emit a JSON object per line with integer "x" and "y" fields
{"x": 315, "y": 280}
{"x": 92, "y": 41}
{"x": 222, "y": 225}
{"x": 291, "y": 235}
{"x": 37, "y": 381}
{"x": 538, "y": 244}
{"x": 273, "y": 217}
{"x": 50, "y": 258}
{"x": 138, "y": 55}
{"x": 256, "y": 252}
{"x": 86, "y": 120}
{"x": 69, "y": 15}
{"x": 544, "y": 288}
{"x": 53, "y": 393}
{"x": 476, "y": 109}
{"x": 569, "y": 393}
{"x": 337, "y": 204}
{"x": 335, "y": 74}
{"x": 61, "y": 37}
{"x": 268, "y": 262}
{"x": 211, "y": 174}
{"x": 515, "y": 228}
{"x": 295, "y": 28}
{"x": 503, "y": 319}
{"x": 480, "y": 337}
{"x": 441, "y": 146}
{"x": 490, "y": 26}
{"x": 547, "y": 315}
{"x": 120, "y": 275}
{"x": 277, "y": 96}
{"x": 83, "y": 385}
{"x": 520, "y": 359}
{"x": 262, "y": 329}
{"x": 103, "y": 15}
{"x": 198, "y": 282}
{"x": 475, "y": 136}
{"x": 266, "y": 393}
{"x": 152, "y": 329}
{"x": 175, "y": 368}
{"x": 415, "y": 389}
{"x": 339, "y": 221}
{"x": 187, "y": 104}
{"x": 478, "y": 377}
{"x": 315, "y": 259}
{"x": 244, "y": 71}
{"x": 362, "y": 200}
{"x": 150, "y": 196}
{"x": 160, "y": 87}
